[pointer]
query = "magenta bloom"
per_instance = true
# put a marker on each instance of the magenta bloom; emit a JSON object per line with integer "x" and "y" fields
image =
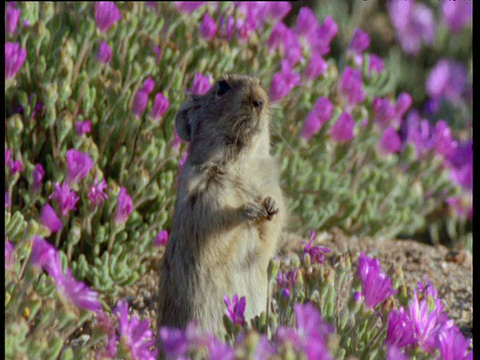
{"x": 160, "y": 105}
{"x": 447, "y": 79}
{"x": 83, "y": 127}
{"x": 277, "y": 38}
{"x": 283, "y": 82}
{"x": 208, "y": 28}
{"x": 394, "y": 353}
{"x": 317, "y": 253}
{"x": 78, "y": 165}
{"x": 311, "y": 332}
{"x": 14, "y": 58}
{"x": 413, "y": 24}
{"x": 277, "y": 10}
{"x": 104, "y": 52}
{"x": 8, "y": 254}
{"x": 444, "y": 141}
{"x": 456, "y": 14}
{"x": 360, "y": 41}
{"x": 453, "y": 345}
{"x": 320, "y": 41}
{"x": 76, "y": 291}
{"x": 306, "y": 24}
{"x": 321, "y": 113}
{"x": 404, "y": 101}
{"x": 286, "y": 281}
{"x": 400, "y": 329}
{"x": 351, "y": 87}
{"x": 141, "y": 97}
{"x": 106, "y": 15}
{"x": 390, "y": 142}
{"x": 376, "y": 285}
{"x": 37, "y": 175}
{"x": 50, "y": 219}
{"x": 384, "y": 112}
{"x": 286, "y": 41}
{"x": 96, "y": 193}
{"x": 218, "y": 350}
{"x": 375, "y": 63}
{"x": 187, "y": 7}
{"x": 124, "y": 206}
{"x": 16, "y": 166}
{"x": 43, "y": 254}
{"x": 201, "y": 84}
{"x": 12, "y": 14}
{"x": 161, "y": 239}
{"x": 342, "y": 130}
{"x": 316, "y": 66}
{"x": 226, "y": 27}
{"x": 236, "y": 309}
{"x": 425, "y": 326}
{"x": 174, "y": 341}
{"x": 419, "y": 133}
{"x": 65, "y": 197}
{"x": 135, "y": 333}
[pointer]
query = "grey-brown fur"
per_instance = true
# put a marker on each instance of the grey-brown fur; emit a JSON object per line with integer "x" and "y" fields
{"x": 229, "y": 211}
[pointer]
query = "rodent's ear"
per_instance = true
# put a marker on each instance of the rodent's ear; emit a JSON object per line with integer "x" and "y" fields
{"x": 183, "y": 120}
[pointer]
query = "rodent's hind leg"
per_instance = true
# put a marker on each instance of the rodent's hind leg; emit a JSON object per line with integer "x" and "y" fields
{"x": 271, "y": 206}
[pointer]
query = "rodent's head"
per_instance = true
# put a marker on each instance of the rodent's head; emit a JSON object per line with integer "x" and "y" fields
{"x": 231, "y": 117}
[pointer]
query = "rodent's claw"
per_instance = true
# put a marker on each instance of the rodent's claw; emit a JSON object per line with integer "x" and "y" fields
{"x": 271, "y": 207}
{"x": 255, "y": 211}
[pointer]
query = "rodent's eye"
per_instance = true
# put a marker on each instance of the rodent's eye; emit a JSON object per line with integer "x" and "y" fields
{"x": 223, "y": 87}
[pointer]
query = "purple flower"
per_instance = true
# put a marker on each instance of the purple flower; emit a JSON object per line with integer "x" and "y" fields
{"x": 236, "y": 309}
{"x": 43, "y": 254}
{"x": 277, "y": 10}
{"x": 106, "y": 15}
{"x": 14, "y": 58}
{"x": 375, "y": 63}
{"x": 424, "y": 323}
{"x": 208, "y": 28}
{"x": 124, "y": 206}
{"x": 76, "y": 291}
{"x": 447, "y": 79}
{"x": 306, "y": 24}
{"x": 161, "y": 239}
{"x": 453, "y": 345}
{"x": 96, "y": 193}
{"x": 351, "y": 87}
{"x": 412, "y": 23}
{"x": 37, "y": 175}
{"x": 12, "y": 14}
{"x": 141, "y": 97}
{"x": 226, "y": 27}
{"x": 360, "y": 42}
{"x": 104, "y": 52}
{"x": 316, "y": 66}
{"x": 394, "y": 353}
{"x": 107, "y": 326}
{"x": 390, "y": 142}
{"x": 400, "y": 329}
{"x": 50, "y": 219}
{"x": 317, "y": 253}
{"x": 456, "y": 14}
{"x": 320, "y": 41}
{"x": 384, "y": 112}
{"x": 311, "y": 332}
{"x": 65, "y": 197}
{"x": 201, "y": 84}
{"x": 287, "y": 280}
{"x": 187, "y": 7}
{"x": 283, "y": 82}
{"x": 16, "y": 166}
{"x": 83, "y": 127}
{"x": 174, "y": 341}
{"x": 218, "y": 350}
{"x": 419, "y": 133}
{"x": 78, "y": 165}
{"x": 320, "y": 114}
{"x": 444, "y": 142}
{"x": 342, "y": 130}
{"x": 404, "y": 101}
{"x": 376, "y": 285}
{"x": 160, "y": 105}
{"x": 463, "y": 176}
{"x": 8, "y": 254}
{"x": 135, "y": 334}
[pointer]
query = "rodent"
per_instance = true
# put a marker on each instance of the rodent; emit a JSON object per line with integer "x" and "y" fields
{"x": 229, "y": 211}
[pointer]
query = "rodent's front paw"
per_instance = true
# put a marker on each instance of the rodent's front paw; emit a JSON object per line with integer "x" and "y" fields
{"x": 255, "y": 211}
{"x": 271, "y": 207}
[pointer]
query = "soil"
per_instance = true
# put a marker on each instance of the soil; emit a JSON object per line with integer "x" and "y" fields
{"x": 450, "y": 271}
